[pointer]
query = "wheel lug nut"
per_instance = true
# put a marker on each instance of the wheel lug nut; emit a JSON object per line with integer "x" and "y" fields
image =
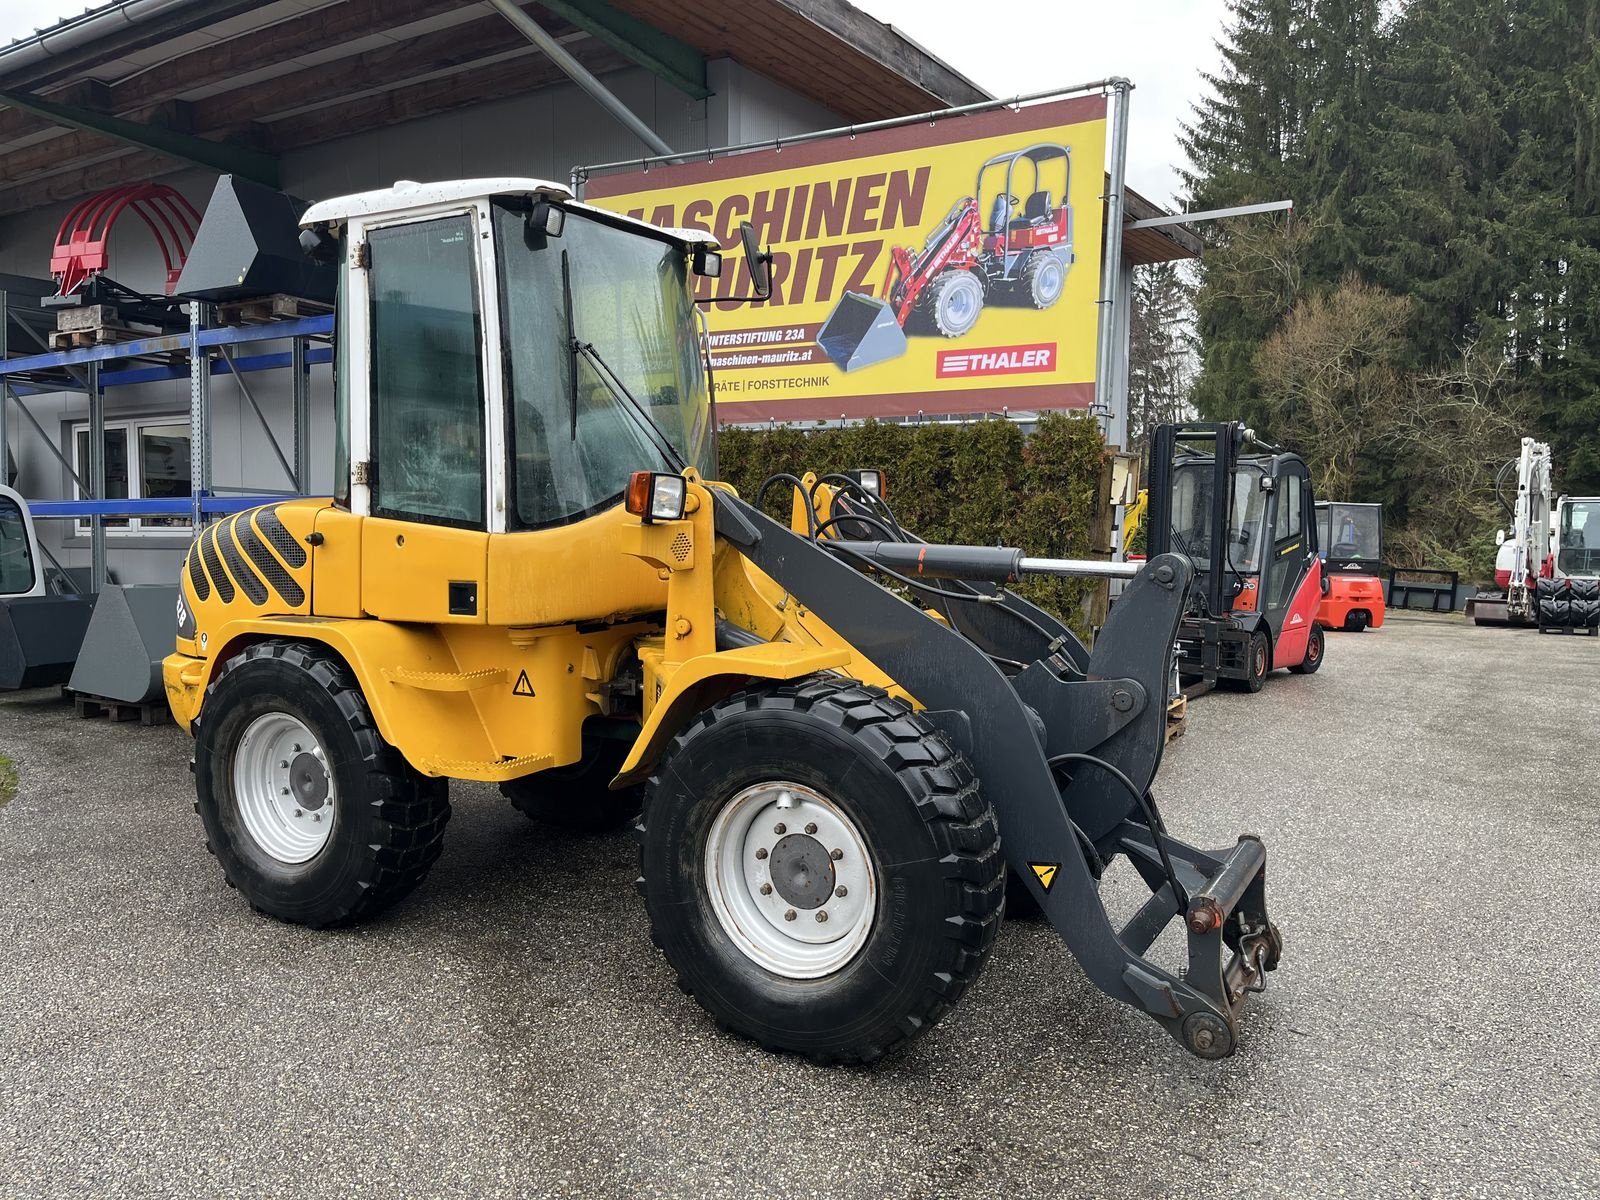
{"x": 762, "y": 852}
{"x": 780, "y": 829}
{"x": 283, "y": 791}
{"x": 297, "y": 747}
{"x": 822, "y": 916}
{"x": 841, "y": 891}
{"x": 836, "y": 855}
{"x": 811, "y": 826}
{"x": 283, "y": 764}
{"x": 298, "y": 813}
{"x": 790, "y": 915}
{"x": 316, "y": 816}
{"x": 766, "y": 889}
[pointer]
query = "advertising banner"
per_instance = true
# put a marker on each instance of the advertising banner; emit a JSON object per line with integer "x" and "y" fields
{"x": 944, "y": 267}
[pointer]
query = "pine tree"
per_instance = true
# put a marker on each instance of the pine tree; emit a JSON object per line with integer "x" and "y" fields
{"x": 1160, "y": 357}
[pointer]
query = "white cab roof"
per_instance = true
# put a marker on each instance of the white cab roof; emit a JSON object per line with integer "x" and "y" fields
{"x": 408, "y": 194}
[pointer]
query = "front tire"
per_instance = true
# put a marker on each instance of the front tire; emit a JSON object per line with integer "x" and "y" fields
{"x": 1258, "y": 661}
{"x": 955, "y": 301}
{"x": 820, "y": 869}
{"x": 313, "y": 816}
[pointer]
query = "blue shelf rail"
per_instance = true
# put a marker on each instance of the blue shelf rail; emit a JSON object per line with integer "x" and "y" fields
{"x": 199, "y": 355}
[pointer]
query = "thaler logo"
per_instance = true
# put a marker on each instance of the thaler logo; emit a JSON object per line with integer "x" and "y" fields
{"x": 998, "y": 360}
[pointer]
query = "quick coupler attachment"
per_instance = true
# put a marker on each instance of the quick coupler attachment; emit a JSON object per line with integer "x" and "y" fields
{"x": 1222, "y": 899}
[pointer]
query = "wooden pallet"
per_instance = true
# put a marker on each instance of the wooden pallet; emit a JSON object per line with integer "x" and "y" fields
{"x": 99, "y": 335}
{"x": 263, "y": 310}
{"x": 151, "y": 712}
{"x": 1177, "y": 717}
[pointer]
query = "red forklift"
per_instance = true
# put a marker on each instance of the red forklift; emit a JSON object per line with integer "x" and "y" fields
{"x": 1243, "y": 512}
{"x": 991, "y": 246}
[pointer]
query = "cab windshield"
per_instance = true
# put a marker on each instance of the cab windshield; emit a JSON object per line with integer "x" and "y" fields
{"x": 1578, "y": 539}
{"x": 1191, "y": 515}
{"x": 589, "y": 408}
{"x": 1350, "y": 531}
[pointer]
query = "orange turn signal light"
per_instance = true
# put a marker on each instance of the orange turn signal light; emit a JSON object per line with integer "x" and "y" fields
{"x": 638, "y": 498}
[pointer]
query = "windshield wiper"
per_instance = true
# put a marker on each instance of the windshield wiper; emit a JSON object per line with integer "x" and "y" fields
{"x": 572, "y": 347}
{"x": 619, "y": 392}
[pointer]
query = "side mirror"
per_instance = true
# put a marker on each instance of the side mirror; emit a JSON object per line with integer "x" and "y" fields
{"x": 545, "y": 218}
{"x": 320, "y": 244}
{"x": 760, "y": 261}
{"x": 1499, "y": 537}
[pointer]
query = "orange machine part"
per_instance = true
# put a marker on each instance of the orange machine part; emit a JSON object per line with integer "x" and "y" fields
{"x": 1347, "y": 594}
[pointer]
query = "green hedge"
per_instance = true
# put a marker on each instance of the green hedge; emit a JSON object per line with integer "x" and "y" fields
{"x": 980, "y": 484}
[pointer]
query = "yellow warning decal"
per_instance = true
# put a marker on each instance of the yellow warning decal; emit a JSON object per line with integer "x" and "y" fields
{"x": 1046, "y": 873}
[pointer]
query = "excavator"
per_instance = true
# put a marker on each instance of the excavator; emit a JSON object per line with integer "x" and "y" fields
{"x": 528, "y": 575}
{"x": 1549, "y": 575}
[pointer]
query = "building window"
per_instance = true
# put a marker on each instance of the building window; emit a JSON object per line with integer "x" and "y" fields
{"x": 145, "y": 460}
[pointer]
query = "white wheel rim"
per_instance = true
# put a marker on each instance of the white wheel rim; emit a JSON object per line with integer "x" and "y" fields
{"x": 1050, "y": 280}
{"x": 284, "y": 788}
{"x": 820, "y": 896}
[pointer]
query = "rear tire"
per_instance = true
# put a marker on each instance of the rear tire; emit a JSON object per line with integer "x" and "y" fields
{"x": 954, "y": 303}
{"x": 1356, "y": 620}
{"x": 313, "y": 816}
{"x": 578, "y": 797}
{"x": 1043, "y": 280}
{"x": 884, "y": 809}
{"x": 1315, "y": 646}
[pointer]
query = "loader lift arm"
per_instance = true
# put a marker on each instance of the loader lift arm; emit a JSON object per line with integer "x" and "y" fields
{"x": 1067, "y": 762}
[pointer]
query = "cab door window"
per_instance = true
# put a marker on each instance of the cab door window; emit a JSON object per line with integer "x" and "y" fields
{"x": 16, "y": 556}
{"x": 1290, "y": 539}
{"x": 427, "y": 376}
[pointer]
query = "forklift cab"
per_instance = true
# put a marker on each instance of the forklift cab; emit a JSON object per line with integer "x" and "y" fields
{"x": 1247, "y": 523}
{"x": 1351, "y": 537}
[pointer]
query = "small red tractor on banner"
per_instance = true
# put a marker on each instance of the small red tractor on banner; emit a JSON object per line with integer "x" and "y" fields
{"x": 1021, "y": 254}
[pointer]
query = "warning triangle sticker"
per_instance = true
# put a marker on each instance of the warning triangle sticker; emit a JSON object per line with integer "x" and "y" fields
{"x": 1046, "y": 873}
{"x": 523, "y": 687}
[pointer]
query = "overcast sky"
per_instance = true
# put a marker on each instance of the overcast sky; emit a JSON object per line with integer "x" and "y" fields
{"x": 1008, "y": 49}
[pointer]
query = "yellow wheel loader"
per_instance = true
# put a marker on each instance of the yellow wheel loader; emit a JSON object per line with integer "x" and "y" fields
{"x": 528, "y": 576}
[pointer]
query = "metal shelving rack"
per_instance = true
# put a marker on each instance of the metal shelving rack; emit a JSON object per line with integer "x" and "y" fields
{"x": 200, "y": 354}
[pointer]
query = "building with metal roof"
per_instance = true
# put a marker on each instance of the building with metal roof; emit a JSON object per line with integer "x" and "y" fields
{"x": 327, "y": 97}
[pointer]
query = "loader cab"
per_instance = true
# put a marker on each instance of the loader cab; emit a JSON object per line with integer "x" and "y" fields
{"x": 20, "y": 571}
{"x": 1247, "y": 523}
{"x": 1578, "y": 537}
{"x": 1023, "y": 195}
{"x": 1023, "y": 198}
{"x": 506, "y": 359}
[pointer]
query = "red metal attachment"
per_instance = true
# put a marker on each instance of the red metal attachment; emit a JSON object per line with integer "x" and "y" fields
{"x": 80, "y": 250}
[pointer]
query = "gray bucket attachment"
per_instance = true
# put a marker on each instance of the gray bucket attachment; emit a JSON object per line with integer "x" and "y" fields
{"x": 132, "y": 631}
{"x": 860, "y": 332}
{"x": 248, "y": 245}
{"x": 39, "y": 639}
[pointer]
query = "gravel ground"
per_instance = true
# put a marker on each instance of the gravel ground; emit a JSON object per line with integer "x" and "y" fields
{"x": 1428, "y": 800}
